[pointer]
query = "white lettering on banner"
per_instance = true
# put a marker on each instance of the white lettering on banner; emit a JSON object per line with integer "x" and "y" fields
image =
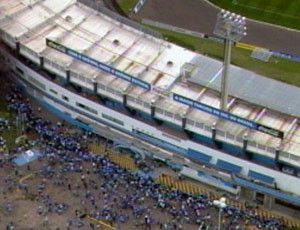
{"x": 98, "y": 65}
{"x": 214, "y": 111}
{"x": 247, "y": 123}
{"x": 184, "y": 101}
{"x": 140, "y": 83}
{"x": 224, "y": 115}
{"x": 269, "y": 131}
{"x": 104, "y": 67}
{"x": 203, "y": 107}
{"x": 89, "y": 61}
{"x": 123, "y": 75}
{"x": 233, "y": 118}
{"x": 73, "y": 54}
{"x": 56, "y": 46}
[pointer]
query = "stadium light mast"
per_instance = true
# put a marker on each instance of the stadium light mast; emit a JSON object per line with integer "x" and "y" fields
{"x": 221, "y": 204}
{"x": 231, "y": 27}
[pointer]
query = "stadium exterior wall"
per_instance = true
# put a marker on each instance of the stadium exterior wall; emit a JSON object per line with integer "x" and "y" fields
{"x": 44, "y": 91}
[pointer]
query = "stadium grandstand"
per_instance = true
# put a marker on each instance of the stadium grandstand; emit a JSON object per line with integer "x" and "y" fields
{"x": 122, "y": 68}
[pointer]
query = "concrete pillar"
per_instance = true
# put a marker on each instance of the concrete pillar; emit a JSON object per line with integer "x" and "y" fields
{"x": 68, "y": 75}
{"x": 279, "y": 165}
{"x": 268, "y": 202}
{"x": 124, "y": 95}
{"x": 183, "y": 123}
{"x": 41, "y": 61}
{"x": 277, "y": 153}
{"x": 17, "y": 45}
{"x": 245, "y": 142}
{"x": 95, "y": 86}
{"x": 152, "y": 108}
{"x": 213, "y": 131}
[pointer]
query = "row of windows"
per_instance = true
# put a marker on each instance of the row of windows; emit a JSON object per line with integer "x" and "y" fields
{"x": 63, "y": 96}
{"x": 31, "y": 79}
{"x": 105, "y": 116}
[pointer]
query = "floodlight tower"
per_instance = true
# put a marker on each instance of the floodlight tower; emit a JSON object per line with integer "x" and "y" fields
{"x": 231, "y": 27}
{"x": 221, "y": 204}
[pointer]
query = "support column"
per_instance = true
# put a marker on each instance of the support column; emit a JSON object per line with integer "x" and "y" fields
{"x": 41, "y": 61}
{"x": 68, "y": 75}
{"x": 245, "y": 142}
{"x": 224, "y": 84}
{"x": 124, "y": 95}
{"x": 248, "y": 154}
{"x": 17, "y": 45}
{"x": 95, "y": 86}
{"x": 152, "y": 108}
{"x": 268, "y": 202}
{"x": 183, "y": 123}
{"x": 277, "y": 153}
{"x": 213, "y": 132}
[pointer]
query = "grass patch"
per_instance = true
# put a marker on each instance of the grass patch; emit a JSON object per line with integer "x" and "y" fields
{"x": 127, "y": 5}
{"x": 280, "y": 69}
{"x": 280, "y": 12}
{"x": 11, "y": 134}
{"x": 10, "y": 137}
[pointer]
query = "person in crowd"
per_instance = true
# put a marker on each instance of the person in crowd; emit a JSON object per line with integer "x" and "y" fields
{"x": 109, "y": 193}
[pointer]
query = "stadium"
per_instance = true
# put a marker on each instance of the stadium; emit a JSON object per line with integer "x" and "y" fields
{"x": 99, "y": 71}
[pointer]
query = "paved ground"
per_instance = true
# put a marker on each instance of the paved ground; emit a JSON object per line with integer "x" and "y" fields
{"x": 45, "y": 193}
{"x": 200, "y": 16}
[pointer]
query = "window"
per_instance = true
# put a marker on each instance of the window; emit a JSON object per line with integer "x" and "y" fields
{"x": 85, "y": 107}
{"x": 65, "y": 98}
{"x": 260, "y": 197}
{"x": 53, "y": 91}
{"x": 20, "y": 71}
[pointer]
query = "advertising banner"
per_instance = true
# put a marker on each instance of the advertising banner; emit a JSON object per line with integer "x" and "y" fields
{"x": 104, "y": 67}
{"x": 227, "y": 116}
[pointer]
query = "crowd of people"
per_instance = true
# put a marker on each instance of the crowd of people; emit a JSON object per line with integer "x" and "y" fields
{"x": 103, "y": 191}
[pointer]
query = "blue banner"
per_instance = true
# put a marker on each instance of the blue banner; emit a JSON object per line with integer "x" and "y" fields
{"x": 227, "y": 116}
{"x": 285, "y": 55}
{"x": 104, "y": 67}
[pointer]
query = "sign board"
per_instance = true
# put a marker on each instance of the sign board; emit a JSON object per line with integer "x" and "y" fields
{"x": 104, "y": 67}
{"x": 227, "y": 116}
{"x": 138, "y": 6}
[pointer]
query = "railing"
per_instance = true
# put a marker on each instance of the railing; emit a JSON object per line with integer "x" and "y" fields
{"x": 54, "y": 67}
{"x": 29, "y": 53}
{"x": 143, "y": 105}
{"x": 167, "y": 115}
{"x": 8, "y": 39}
{"x": 262, "y": 188}
{"x": 113, "y": 93}
{"x": 81, "y": 80}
